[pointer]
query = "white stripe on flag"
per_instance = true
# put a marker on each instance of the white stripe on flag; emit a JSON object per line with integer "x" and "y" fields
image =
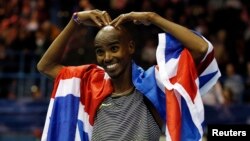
{"x": 194, "y": 108}
{"x": 210, "y": 48}
{"x": 69, "y": 86}
{"x": 84, "y": 117}
{"x": 47, "y": 121}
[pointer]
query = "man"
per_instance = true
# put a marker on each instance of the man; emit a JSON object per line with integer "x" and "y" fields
{"x": 121, "y": 101}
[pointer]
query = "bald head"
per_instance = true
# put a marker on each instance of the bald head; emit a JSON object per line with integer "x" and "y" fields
{"x": 114, "y": 51}
{"x": 110, "y": 32}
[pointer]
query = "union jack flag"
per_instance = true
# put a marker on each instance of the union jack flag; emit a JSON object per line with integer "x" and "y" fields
{"x": 174, "y": 86}
{"x": 183, "y": 84}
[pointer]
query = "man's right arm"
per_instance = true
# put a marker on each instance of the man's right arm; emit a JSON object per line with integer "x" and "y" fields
{"x": 50, "y": 63}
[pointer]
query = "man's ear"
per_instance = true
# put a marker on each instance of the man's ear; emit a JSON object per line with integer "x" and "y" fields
{"x": 131, "y": 47}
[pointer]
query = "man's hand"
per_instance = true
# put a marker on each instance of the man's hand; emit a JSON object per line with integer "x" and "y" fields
{"x": 136, "y": 17}
{"x": 93, "y": 18}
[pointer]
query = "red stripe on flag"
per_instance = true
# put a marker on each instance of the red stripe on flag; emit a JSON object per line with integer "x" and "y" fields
{"x": 95, "y": 89}
{"x": 93, "y": 86}
{"x": 187, "y": 74}
{"x": 69, "y": 72}
{"x": 204, "y": 64}
{"x": 173, "y": 115}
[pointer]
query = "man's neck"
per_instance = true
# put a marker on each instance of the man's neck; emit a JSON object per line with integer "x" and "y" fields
{"x": 123, "y": 82}
{"x": 121, "y": 85}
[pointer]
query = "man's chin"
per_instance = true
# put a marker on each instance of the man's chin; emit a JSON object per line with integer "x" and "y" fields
{"x": 113, "y": 75}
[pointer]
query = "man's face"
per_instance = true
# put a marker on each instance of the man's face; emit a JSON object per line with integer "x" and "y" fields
{"x": 113, "y": 51}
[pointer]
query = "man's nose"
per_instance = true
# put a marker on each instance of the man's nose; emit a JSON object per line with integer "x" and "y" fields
{"x": 107, "y": 57}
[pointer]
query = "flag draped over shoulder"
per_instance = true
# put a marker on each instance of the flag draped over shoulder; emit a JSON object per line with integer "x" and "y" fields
{"x": 183, "y": 84}
{"x": 76, "y": 96}
{"x": 174, "y": 86}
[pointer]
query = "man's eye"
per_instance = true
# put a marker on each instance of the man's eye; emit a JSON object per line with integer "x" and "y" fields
{"x": 99, "y": 52}
{"x": 114, "y": 48}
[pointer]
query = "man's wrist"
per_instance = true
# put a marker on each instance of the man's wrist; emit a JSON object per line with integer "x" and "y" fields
{"x": 151, "y": 16}
{"x": 76, "y": 18}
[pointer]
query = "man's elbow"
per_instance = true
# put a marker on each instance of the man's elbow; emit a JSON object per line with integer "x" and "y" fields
{"x": 203, "y": 49}
{"x": 199, "y": 54}
{"x": 40, "y": 67}
{"x": 50, "y": 71}
{"x": 43, "y": 69}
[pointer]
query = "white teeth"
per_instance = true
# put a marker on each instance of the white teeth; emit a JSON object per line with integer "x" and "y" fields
{"x": 111, "y": 66}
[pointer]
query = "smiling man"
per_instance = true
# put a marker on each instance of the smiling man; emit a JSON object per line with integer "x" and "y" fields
{"x": 121, "y": 101}
{"x": 114, "y": 51}
{"x": 123, "y": 114}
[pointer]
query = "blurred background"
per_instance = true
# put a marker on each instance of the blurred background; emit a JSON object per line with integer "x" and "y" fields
{"x": 27, "y": 28}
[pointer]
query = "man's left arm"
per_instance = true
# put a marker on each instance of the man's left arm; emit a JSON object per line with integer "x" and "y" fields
{"x": 195, "y": 44}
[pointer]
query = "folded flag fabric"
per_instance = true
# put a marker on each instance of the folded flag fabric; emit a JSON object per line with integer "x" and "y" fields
{"x": 76, "y": 95}
{"x": 174, "y": 86}
{"x": 184, "y": 83}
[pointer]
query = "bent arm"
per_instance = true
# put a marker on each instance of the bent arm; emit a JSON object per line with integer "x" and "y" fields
{"x": 194, "y": 43}
{"x": 50, "y": 63}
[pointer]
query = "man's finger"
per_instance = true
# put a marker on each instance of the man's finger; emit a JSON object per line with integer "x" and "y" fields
{"x": 101, "y": 15}
{"x": 119, "y": 20}
{"x": 106, "y": 17}
{"x": 98, "y": 17}
{"x": 96, "y": 21}
{"x": 114, "y": 21}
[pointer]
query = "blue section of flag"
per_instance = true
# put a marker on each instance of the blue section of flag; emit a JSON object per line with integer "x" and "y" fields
{"x": 83, "y": 135}
{"x": 205, "y": 78}
{"x": 173, "y": 48}
{"x": 189, "y": 131}
{"x": 63, "y": 119}
{"x": 145, "y": 82}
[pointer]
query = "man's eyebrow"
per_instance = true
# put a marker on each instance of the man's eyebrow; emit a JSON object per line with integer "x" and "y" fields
{"x": 96, "y": 46}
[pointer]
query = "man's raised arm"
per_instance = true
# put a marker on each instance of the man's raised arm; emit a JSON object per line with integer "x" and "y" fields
{"x": 195, "y": 44}
{"x": 50, "y": 62}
